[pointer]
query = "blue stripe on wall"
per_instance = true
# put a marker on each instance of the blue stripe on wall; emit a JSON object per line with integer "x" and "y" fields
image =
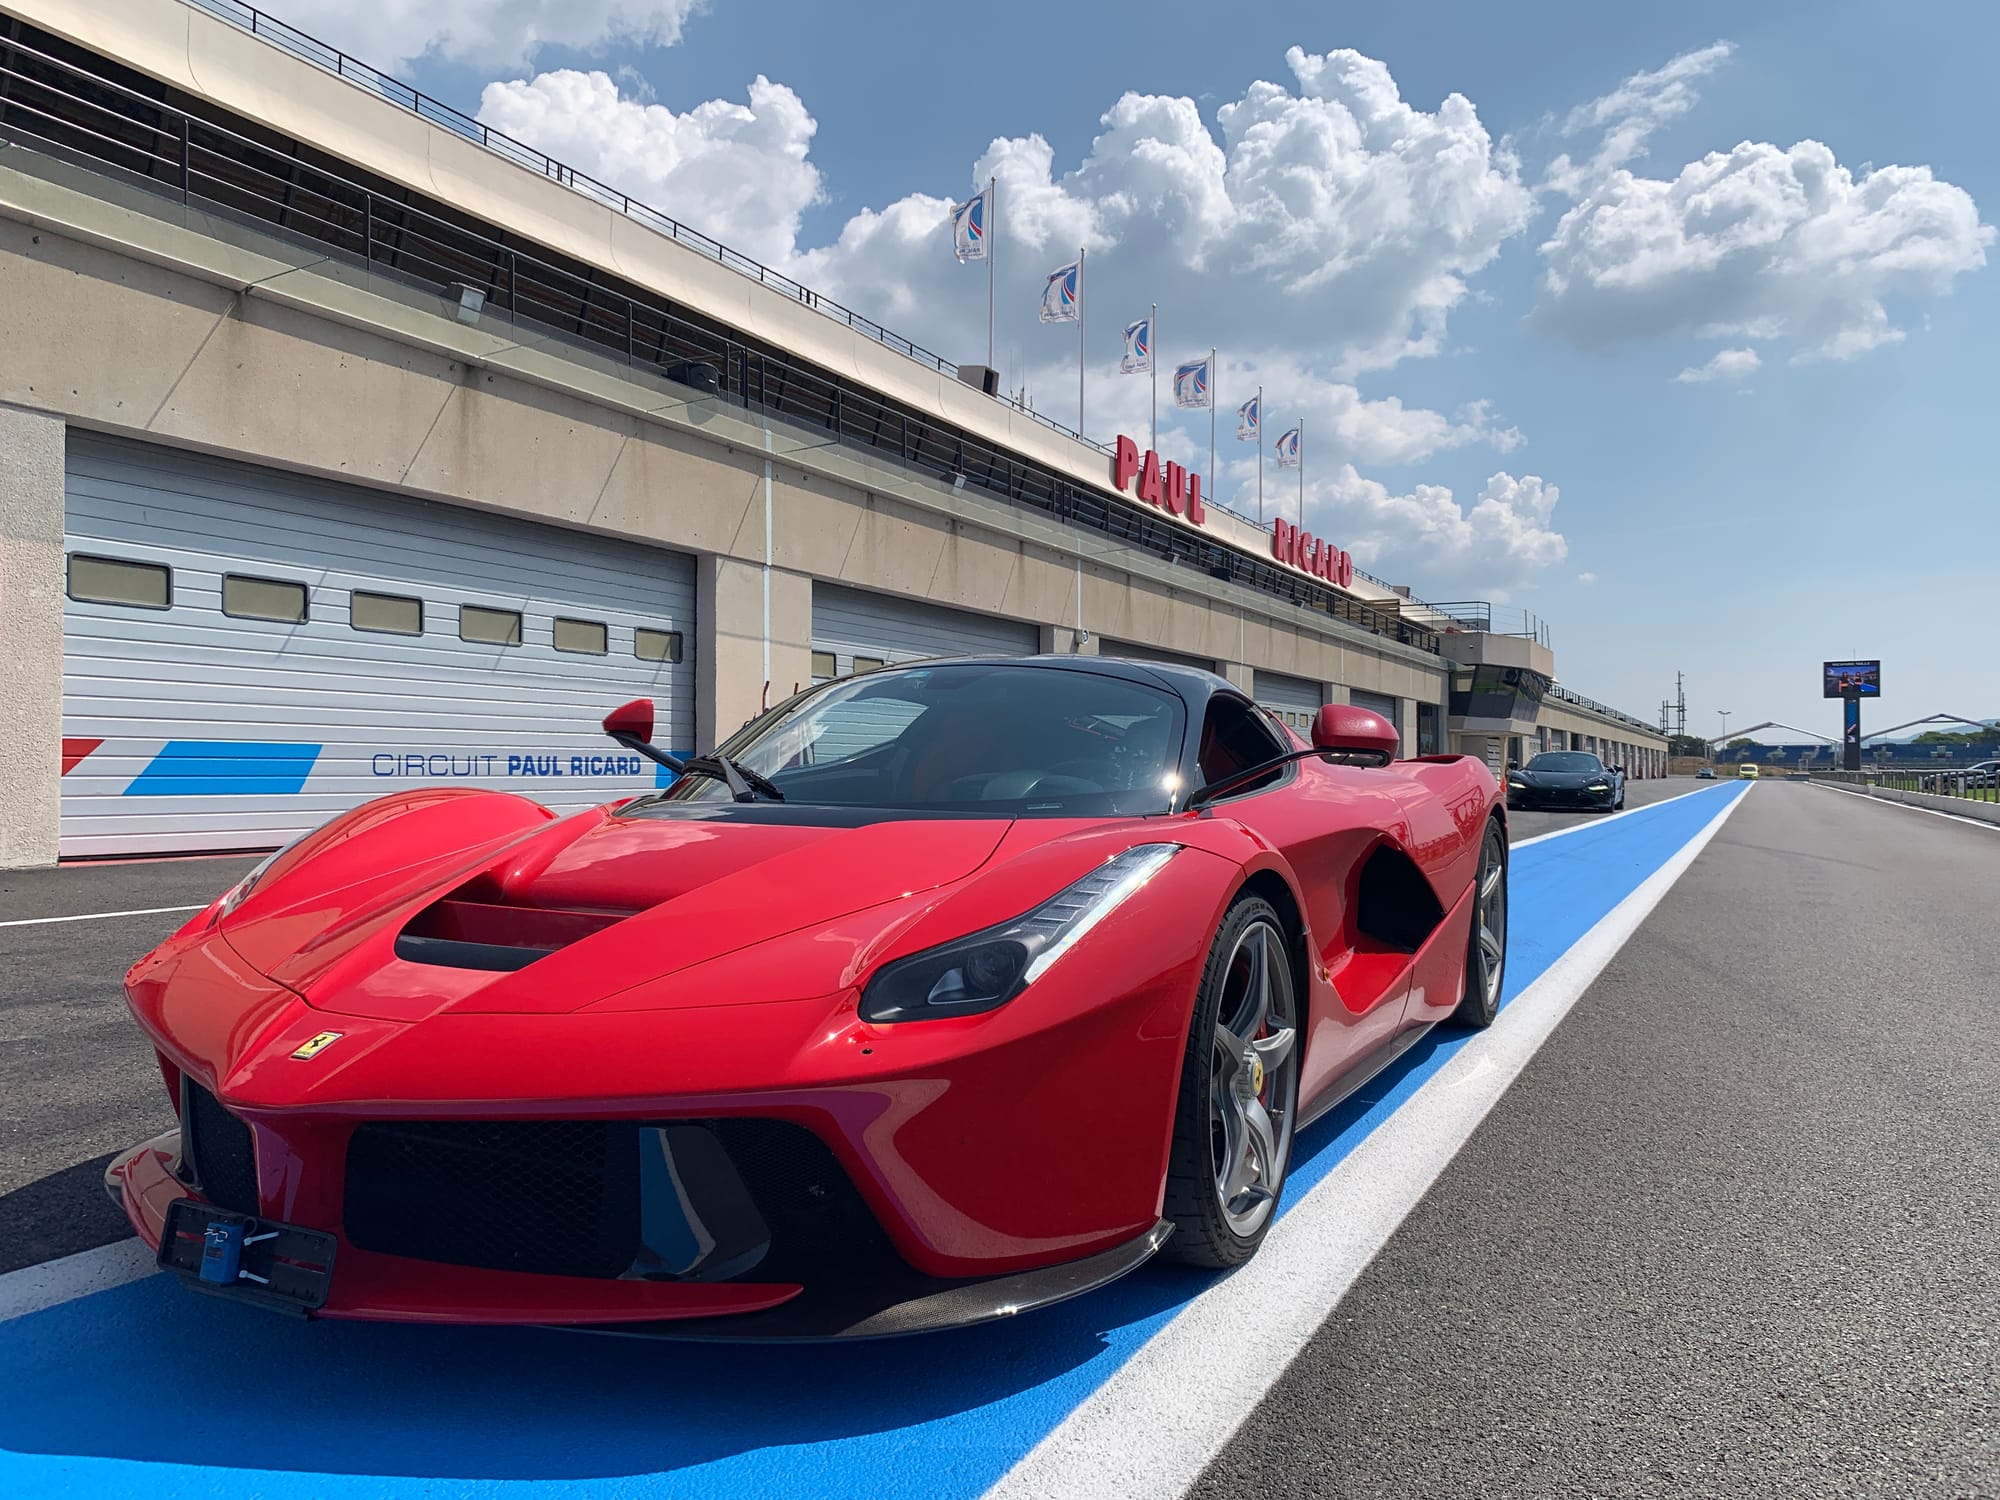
{"x": 225, "y": 768}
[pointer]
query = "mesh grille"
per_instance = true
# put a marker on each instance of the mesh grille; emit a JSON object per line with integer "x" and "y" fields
{"x": 820, "y": 1227}
{"x": 559, "y": 1197}
{"x": 216, "y": 1145}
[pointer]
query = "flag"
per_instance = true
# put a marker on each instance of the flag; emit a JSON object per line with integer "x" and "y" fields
{"x": 968, "y": 228}
{"x": 1288, "y": 448}
{"x": 1059, "y": 296}
{"x": 1138, "y": 358}
{"x": 1249, "y": 420}
{"x": 1191, "y": 385}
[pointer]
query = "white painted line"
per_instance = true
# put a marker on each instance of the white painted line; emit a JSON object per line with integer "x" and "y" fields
{"x": 1192, "y": 1384}
{"x": 1909, "y": 807}
{"x": 1542, "y": 838}
{"x": 96, "y": 916}
{"x": 34, "y": 1288}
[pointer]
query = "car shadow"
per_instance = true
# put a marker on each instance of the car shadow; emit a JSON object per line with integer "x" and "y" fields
{"x": 58, "y": 1215}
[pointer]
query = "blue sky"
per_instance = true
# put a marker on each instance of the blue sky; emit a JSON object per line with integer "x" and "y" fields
{"x": 1476, "y": 256}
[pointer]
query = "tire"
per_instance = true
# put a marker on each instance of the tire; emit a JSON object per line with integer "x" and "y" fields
{"x": 1224, "y": 1176}
{"x": 1486, "y": 961}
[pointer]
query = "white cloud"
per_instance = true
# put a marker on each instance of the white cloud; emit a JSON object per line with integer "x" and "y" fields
{"x": 743, "y": 166}
{"x": 1327, "y": 228}
{"x": 1728, "y": 364}
{"x": 487, "y": 33}
{"x": 1506, "y": 535}
{"x": 1628, "y": 115}
{"x": 1586, "y": 578}
{"x": 1757, "y": 242}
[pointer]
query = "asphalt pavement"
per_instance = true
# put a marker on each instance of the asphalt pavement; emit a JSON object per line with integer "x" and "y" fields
{"x": 1731, "y": 1233}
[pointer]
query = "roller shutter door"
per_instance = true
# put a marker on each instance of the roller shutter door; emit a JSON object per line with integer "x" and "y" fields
{"x": 1292, "y": 699}
{"x": 201, "y": 711}
{"x": 1389, "y": 708}
{"x": 1137, "y": 651}
{"x": 853, "y": 626}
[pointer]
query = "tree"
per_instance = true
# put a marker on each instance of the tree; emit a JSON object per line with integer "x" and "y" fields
{"x": 1742, "y": 745}
{"x": 1686, "y": 744}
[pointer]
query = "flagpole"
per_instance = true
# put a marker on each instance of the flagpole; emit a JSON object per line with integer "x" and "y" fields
{"x": 1153, "y": 368}
{"x": 1080, "y": 360}
{"x": 992, "y": 254}
{"x": 1213, "y": 397}
{"x": 1302, "y": 473}
{"x": 1260, "y": 455}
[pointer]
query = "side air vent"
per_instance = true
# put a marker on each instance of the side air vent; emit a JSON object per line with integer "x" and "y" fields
{"x": 1396, "y": 905}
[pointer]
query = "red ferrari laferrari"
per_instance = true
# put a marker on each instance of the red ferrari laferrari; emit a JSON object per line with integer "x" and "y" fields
{"x": 932, "y": 996}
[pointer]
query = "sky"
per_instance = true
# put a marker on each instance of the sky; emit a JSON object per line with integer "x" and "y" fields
{"x": 1673, "y": 326}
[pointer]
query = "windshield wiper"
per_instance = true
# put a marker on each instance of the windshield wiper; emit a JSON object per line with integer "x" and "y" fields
{"x": 745, "y": 785}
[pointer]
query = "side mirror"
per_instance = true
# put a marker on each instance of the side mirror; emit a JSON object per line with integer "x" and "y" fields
{"x": 632, "y": 720}
{"x": 1357, "y": 735}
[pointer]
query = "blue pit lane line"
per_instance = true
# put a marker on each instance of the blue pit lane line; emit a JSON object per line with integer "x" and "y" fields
{"x": 147, "y": 1389}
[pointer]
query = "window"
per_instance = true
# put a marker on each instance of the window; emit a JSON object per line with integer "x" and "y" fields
{"x": 587, "y": 636}
{"x": 1234, "y": 736}
{"x": 656, "y": 645}
{"x": 391, "y": 614}
{"x": 825, "y": 666}
{"x": 868, "y": 664}
{"x": 1427, "y": 729}
{"x": 263, "y": 599}
{"x": 489, "y": 627}
{"x": 110, "y": 580}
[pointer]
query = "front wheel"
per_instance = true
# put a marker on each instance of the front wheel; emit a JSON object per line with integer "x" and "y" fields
{"x": 1239, "y": 1095}
{"x": 1486, "y": 947}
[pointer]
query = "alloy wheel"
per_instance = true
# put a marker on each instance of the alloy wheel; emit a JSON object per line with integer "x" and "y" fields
{"x": 1253, "y": 1102}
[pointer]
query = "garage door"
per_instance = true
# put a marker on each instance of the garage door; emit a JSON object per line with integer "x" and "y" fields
{"x": 856, "y": 631}
{"x": 1292, "y": 699}
{"x": 1138, "y": 651}
{"x": 246, "y": 652}
{"x": 1389, "y": 708}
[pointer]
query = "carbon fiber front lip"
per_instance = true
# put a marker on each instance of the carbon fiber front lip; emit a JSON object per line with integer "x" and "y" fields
{"x": 917, "y": 1305}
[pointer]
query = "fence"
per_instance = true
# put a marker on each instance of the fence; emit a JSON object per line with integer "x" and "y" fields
{"x": 1973, "y": 784}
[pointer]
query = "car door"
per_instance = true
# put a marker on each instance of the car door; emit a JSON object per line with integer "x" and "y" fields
{"x": 1323, "y": 821}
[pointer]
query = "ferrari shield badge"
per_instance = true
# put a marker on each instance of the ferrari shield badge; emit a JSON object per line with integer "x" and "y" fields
{"x": 313, "y": 1046}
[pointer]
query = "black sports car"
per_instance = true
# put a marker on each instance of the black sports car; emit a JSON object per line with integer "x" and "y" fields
{"x": 1566, "y": 778}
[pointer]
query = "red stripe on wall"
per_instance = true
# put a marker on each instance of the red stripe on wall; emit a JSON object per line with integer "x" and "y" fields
{"x": 74, "y": 752}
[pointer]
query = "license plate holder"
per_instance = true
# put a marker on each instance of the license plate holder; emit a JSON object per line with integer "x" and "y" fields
{"x": 282, "y": 1267}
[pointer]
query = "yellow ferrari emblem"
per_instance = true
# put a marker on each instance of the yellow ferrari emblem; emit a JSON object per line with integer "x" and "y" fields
{"x": 1256, "y": 1075}
{"x": 313, "y": 1046}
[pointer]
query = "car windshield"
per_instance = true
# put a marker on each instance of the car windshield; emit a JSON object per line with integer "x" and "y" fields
{"x": 1002, "y": 739}
{"x": 1565, "y": 760}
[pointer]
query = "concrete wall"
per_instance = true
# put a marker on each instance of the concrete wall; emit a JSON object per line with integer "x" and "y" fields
{"x": 201, "y": 335}
{"x": 31, "y": 594}
{"x": 1958, "y": 807}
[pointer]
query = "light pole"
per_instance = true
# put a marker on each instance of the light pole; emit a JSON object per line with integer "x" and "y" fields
{"x": 1725, "y": 727}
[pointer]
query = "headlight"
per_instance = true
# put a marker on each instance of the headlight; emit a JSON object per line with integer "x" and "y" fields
{"x": 1513, "y": 780}
{"x": 987, "y": 969}
{"x": 1598, "y": 786}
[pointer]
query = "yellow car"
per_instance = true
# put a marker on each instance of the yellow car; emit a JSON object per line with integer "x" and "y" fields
{"x": 1747, "y": 771}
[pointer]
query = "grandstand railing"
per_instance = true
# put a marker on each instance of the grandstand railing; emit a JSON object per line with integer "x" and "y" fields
{"x": 1563, "y": 695}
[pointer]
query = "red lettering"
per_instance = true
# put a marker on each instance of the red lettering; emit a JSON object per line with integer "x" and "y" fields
{"x": 1308, "y": 553}
{"x": 1281, "y": 540}
{"x": 1346, "y": 579}
{"x": 1176, "y": 489}
{"x": 1195, "y": 513}
{"x": 1124, "y": 463}
{"x": 1149, "y": 479}
{"x": 1329, "y": 560}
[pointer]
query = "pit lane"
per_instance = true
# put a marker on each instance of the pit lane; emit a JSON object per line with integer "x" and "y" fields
{"x": 387, "y": 1411}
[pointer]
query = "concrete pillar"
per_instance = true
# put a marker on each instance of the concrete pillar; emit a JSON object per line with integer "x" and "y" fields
{"x": 1240, "y": 677}
{"x": 732, "y": 631}
{"x": 1061, "y": 640}
{"x": 31, "y": 648}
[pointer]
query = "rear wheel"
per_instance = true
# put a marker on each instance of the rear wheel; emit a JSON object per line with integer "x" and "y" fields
{"x": 1486, "y": 948}
{"x": 1239, "y": 1095}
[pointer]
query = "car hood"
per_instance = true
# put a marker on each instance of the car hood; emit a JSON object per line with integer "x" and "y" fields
{"x": 603, "y": 904}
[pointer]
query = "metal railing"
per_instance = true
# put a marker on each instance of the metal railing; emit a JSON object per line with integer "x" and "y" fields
{"x": 1563, "y": 695}
{"x": 1974, "y": 786}
{"x": 100, "y": 116}
{"x": 1480, "y": 617}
